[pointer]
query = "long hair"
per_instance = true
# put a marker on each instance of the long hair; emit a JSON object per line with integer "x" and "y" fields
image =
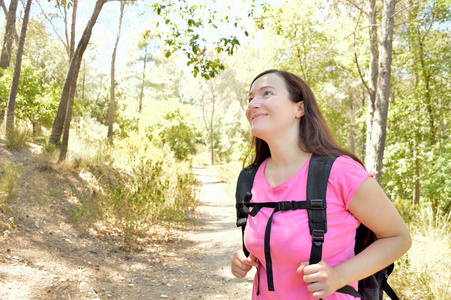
{"x": 314, "y": 134}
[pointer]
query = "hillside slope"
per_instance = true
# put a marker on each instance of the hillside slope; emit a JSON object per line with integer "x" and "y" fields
{"x": 45, "y": 254}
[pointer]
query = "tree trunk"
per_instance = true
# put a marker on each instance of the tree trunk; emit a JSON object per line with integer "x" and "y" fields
{"x": 9, "y": 35}
{"x": 5, "y": 11}
{"x": 141, "y": 95}
{"x": 15, "y": 83}
{"x": 64, "y": 113}
{"x": 72, "y": 29}
{"x": 375, "y": 152}
{"x": 72, "y": 75}
{"x": 112, "y": 88}
{"x": 212, "y": 152}
{"x": 37, "y": 128}
{"x": 374, "y": 70}
{"x": 416, "y": 190}
{"x": 426, "y": 76}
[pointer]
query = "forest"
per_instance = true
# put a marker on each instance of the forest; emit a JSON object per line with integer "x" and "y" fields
{"x": 131, "y": 95}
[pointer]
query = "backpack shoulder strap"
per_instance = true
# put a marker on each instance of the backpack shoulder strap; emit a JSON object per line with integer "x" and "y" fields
{"x": 243, "y": 195}
{"x": 318, "y": 176}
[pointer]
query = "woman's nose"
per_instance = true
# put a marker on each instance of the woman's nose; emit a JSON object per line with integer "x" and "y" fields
{"x": 254, "y": 103}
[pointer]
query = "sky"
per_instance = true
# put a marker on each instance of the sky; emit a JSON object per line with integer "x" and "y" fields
{"x": 137, "y": 19}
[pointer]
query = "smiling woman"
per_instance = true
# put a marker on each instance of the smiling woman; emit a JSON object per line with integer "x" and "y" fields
{"x": 290, "y": 134}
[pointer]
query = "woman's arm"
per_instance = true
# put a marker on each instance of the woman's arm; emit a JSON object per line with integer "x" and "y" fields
{"x": 372, "y": 208}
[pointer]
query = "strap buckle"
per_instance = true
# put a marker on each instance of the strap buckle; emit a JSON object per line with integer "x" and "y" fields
{"x": 317, "y": 204}
{"x": 286, "y": 205}
{"x": 318, "y": 237}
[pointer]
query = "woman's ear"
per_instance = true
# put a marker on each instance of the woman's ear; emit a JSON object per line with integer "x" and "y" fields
{"x": 300, "y": 110}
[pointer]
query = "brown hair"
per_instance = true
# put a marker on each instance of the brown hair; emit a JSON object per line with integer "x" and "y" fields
{"x": 314, "y": 134}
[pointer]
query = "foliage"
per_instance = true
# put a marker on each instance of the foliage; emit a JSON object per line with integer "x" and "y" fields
{"x": 174, "y": 131}
{"x": 187, "y": 23}
{"x": 148, "y": 197}
{"x": 8, "y": 183}
{"x": 151, "y": 189}
{"x": 45, "y": 53}
{"x": 418, "y": 151}
{"x": 36, "y": 102}
{"x": 169, "y": 126}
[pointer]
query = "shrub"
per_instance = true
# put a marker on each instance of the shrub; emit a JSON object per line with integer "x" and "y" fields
{"x": 8, "y": 181}
{"x": 19, "y": 139}
{"x": 133, "y": 205}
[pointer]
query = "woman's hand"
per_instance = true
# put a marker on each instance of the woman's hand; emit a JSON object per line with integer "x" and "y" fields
{"x": 242, "y": 264}
{"x": 323, "y": 280}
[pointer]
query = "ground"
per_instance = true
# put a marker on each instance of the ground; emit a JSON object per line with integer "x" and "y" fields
{"x": 46, "y": 256}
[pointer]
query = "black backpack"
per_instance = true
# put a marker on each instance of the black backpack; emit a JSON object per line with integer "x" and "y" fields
{"x": 370, "y": 288}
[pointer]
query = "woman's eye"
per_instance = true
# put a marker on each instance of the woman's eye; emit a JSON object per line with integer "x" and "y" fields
{"x": 267, "y": 93}
{"x": 250, "y": 99}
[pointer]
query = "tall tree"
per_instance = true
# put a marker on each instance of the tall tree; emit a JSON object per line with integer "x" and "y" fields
{"x": 113, "y": 84}
{"x": 417, "y": 140}
{"x": 378, "y": 113}
{"x": 9, "y": 35}
{"x": 373, "y": 71}
{"x": 5, "y": 11}
{"x": 215, "y": 92}
{"x": 15, "y": 83}
{"x": 146, "y": 57}
{"x": 64, "y": 114}
{"x": 72, "y": 29}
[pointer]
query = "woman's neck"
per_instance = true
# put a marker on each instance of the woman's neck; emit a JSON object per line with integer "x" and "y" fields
{"x": 285, "y": 161}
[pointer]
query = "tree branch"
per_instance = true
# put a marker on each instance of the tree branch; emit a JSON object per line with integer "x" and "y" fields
{"x": 356, "y": 6}
{"x": 5, "y": 10}
{"x": 53, "y": 26}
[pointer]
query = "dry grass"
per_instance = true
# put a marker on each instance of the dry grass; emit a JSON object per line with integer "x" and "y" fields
{"x": 424, "y": 272}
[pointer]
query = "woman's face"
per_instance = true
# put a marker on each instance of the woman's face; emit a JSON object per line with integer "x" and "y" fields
{"x": 270, "y": 111}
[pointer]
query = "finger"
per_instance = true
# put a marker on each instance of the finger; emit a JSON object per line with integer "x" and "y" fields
{"x": 237, "y": 264}
{"x": 319, "y": 294}
{"x": 250, "y": 261}
{"x": 253, "y": 260}
{"x": 315, "y": 268}
{"x": 315, "y": 287}
{"x": 302, "y": 265}
{"x": 238, "y": 273}
{"x": 240, "y": 264}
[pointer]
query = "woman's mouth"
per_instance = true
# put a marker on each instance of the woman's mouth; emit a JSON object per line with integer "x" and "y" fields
{"x": 258, "y": 116}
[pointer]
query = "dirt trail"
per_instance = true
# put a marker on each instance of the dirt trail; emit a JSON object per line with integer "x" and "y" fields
{"x": 218, "y": 238}
{"x": 46, "y": 257}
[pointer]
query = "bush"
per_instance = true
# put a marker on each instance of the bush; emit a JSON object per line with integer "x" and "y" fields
{"x": 133, "y": 206}
{"x": 8, "y": 180}
{"x": 19, "y": 139}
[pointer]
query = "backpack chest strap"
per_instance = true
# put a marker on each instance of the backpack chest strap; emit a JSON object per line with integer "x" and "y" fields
{"x": 278, "y": 206}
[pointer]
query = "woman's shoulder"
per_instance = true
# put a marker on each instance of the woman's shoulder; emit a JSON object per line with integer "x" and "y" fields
{"x": 346, "y": 176}
{"x": 344, "y": 162}
{"x": 347, "y": 171}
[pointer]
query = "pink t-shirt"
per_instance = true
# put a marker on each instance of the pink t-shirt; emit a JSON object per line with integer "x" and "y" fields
{"x": 290, "y": 241}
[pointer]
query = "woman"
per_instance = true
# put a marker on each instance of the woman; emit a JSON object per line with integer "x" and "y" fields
{"x": 288, "y": 128}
